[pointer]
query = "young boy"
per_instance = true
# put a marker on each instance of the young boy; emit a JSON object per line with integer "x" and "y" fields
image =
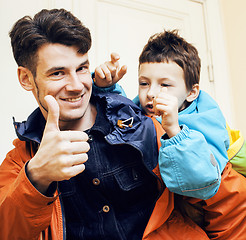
{"x": 193, "y": 153}
{"x": 195, "y": 136}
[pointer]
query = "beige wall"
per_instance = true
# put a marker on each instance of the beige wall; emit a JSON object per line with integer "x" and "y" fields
{"x": 234, "y": 23}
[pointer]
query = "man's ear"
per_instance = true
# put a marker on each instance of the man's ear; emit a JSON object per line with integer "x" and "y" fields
{"x": 25, "y": 78}
{"x": 194, "y": 92}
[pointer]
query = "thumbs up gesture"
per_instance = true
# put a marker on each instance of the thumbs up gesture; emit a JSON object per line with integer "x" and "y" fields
{"x": 166, "y": 106}
{"x": 61, "y": 154}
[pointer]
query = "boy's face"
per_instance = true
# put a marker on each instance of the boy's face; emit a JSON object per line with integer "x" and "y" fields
{"x": 63, "y": 73}
{"x": 153, "y": 77}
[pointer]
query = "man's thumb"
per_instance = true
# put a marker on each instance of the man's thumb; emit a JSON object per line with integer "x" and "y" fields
{"x": 52, "y": 122}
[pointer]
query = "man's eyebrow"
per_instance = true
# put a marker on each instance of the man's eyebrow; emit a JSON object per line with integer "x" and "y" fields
{"x": 86, "y": 62}
{"x": 55, "y": 69}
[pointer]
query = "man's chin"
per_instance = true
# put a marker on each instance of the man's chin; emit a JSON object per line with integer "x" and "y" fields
{"x": 69, "y": 118}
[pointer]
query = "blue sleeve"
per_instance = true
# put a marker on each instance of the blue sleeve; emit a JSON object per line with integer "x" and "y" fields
{"x": 188, "y": 166}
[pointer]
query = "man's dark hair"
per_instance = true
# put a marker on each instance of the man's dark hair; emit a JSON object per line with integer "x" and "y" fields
{"x": 169, "y": 46}
{"x": 48, "y": 26}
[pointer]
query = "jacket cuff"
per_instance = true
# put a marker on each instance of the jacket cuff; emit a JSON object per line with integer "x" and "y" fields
{"x": 184, "y": 133}
{"x": 27, "y": 192}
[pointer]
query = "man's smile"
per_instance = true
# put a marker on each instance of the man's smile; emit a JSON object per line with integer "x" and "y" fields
{"x": 74, "y": 99}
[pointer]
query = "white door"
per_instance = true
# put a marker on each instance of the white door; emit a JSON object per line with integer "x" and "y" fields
{"x": 124, "y": 26}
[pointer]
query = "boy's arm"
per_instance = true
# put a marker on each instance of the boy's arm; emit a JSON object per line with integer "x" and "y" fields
{"x": 191, "y": 161}
{"x": 187, "y": 165}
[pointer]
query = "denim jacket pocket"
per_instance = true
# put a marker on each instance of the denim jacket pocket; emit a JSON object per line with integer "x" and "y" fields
{"x": 129, "y": 178}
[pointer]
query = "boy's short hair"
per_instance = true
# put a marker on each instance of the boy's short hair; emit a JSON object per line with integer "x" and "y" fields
{"x": 169, "y": 46}
{"x": 48, "y": 26}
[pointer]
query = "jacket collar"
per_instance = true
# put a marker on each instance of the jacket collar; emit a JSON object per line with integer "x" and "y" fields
{"x": 31, "y": 129}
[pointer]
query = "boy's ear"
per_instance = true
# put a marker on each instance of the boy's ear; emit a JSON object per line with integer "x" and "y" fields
{"x": 25, "y": 78}
{"x": 194, "y": 92}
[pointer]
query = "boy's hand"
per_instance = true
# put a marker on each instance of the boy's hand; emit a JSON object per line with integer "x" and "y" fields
{"x": 166, "y": 105}
{"x": 110, "y": 72}
{"x": 61, "y": 154}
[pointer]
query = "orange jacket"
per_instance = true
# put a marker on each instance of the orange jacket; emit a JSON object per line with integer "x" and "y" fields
{"x": 27, "y": 214}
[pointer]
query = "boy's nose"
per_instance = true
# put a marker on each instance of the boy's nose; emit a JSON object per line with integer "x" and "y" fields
{"x": 152, "y": 92}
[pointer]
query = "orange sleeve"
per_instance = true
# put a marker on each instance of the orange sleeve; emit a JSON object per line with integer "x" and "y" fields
{"x": 24, "y": 212}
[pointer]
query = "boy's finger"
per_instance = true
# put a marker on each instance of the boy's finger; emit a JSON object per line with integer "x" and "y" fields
{"x": 107, "y": 73}
{"x": 163, "y": 89}
{"x": 122, "y": 72}
{"x": 99, "y": 72}
{"x": 114, "y": 57}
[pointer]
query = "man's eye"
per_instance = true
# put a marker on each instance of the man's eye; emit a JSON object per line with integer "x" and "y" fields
{"x": 57, "y": 74}
{"x": 83, "y": 69}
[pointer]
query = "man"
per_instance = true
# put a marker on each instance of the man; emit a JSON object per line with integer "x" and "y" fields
{"x": 84, "y": 165}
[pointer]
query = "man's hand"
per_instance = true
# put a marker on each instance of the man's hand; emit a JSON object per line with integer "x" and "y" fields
{"x": 110, "y": 72}
{"x": 61, "y": 154}
{"x": 166, "y": 106}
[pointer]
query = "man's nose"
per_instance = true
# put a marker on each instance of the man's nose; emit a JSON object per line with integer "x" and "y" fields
{"x": 74, "y": 83}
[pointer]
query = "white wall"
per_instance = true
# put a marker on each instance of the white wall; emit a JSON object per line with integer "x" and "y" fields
{"x": 234, "y": 19}
{"x": 12, "y": 95}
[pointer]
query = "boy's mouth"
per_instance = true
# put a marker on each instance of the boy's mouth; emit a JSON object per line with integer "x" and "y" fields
{"x": 150, "y": 108}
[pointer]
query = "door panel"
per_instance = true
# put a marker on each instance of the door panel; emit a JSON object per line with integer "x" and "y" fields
{"x": 125, "y": 26}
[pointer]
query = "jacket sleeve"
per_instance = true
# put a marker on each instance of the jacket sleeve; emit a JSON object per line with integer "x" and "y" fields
{"x": 188, "y": 166}
{"x": 24, "y": 212}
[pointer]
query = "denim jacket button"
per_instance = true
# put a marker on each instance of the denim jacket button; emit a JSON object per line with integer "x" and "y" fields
{"x": 96, "y": 181}
{"x": 106, "y": 208}
{"x": 90, "y": 138}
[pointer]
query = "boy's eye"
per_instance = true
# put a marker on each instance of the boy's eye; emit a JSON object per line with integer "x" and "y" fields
{"x": 165, "y": 85}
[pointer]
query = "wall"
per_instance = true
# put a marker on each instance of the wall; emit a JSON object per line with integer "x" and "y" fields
{"x": 234, "y": 19}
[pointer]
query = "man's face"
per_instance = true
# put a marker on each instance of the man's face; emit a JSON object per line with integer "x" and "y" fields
{"x": 154, "y": 76}
{"x": 63, "y": 73}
